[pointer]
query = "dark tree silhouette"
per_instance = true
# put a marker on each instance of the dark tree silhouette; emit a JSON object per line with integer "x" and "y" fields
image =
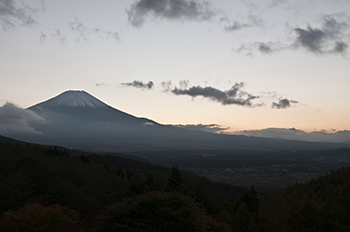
{"x": 175, "y": 182}
{"x": 159, "y": 211}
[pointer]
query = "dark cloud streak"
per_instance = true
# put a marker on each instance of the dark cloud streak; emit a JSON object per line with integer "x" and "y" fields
{"x": 327, "y": 39}
{"x": 193, "y": 10}
{"x": 140, "y": 84}
{"x": 283, "y": 103}
{"x": 233, "y": 96}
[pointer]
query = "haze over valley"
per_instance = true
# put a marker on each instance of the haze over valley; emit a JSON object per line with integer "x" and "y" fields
{"x": 78, "y": 120}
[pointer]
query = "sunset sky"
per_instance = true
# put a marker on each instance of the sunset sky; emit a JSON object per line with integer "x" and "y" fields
{"x": 242, "y": 65}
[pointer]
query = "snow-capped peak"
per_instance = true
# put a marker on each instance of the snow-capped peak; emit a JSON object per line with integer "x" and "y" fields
{"x": 74, "y": 98}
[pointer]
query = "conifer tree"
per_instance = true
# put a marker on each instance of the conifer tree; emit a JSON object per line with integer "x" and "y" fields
{"x": 175, "y": 182}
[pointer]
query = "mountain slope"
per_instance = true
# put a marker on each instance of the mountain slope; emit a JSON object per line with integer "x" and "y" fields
{"x": 82, "y": 105}
{"x": 76, "y": 119}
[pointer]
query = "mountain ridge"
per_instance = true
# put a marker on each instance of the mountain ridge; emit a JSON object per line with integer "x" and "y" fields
{"x": 78, "y": 120}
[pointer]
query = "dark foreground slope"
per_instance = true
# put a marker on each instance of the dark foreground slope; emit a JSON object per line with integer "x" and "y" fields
{"x": 323, "y": 204}
{"x": 49, "y": 176}
{"x": 46, "y": 189}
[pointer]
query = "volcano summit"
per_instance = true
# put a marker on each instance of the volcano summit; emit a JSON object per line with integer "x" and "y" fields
{"x": 72, "y": 98}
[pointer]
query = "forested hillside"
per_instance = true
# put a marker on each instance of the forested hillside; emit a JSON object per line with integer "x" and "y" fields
{"x": 323, "y": 204}
{"x": 40, "y": 179}
{"x": 49, "y": 189}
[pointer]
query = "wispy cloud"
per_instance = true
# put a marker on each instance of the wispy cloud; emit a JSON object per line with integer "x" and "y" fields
{"x": 83, "y": 32}
{"x": 12, "y": 15}
{"x": 283, "y": 103}
{"x": 194, "y": 10}
{"x": 42, "y": 37}
{"x": 100, "y": 84}
{"x": 140, "y": 84}
{"x": 276, "y": 3}
{"x": 17, "y": 120}
{"x": 60, "y": 37}
{"x": 263, "y": 47}
{"x": 235, "y": 26}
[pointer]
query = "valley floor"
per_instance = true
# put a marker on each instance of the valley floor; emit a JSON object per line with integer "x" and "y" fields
{"x": 264, "y": 183}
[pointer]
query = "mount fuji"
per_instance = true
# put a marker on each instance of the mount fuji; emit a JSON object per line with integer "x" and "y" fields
{"x": 76, "y": 119}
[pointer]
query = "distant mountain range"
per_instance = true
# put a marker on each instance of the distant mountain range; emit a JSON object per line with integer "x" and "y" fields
{"x": 78, "y": 120}
{"x": 295, "y": 134}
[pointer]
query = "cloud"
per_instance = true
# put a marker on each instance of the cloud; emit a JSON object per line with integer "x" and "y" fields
{"x": 276, "y": 3}
{"x": 310, "y": 38}
{"x": 193, "y": 10}
{"x": 78, "y": 27}
{"x": 283, "y": 103}
{"x": 100, "y": 84}
{"x": 12, "y": 15}
{"x": 262, "y": 47}
{"x": 327, "y": 39}
{"x": 265, "y": 48}
{"x": 140, "y": 84}
{"x": 235, "y": 26}
{"x": 42, "y": 37}
{"x": 233, "y": 96}
{"x": 254, "y": 20}
{"x": 148, "y": 124}
{"x": 330, "y": 38}
{"x": 211, "y": 128}
{"x": 17, "y": 120}
{"x": 84, "y": 32}
{"x": 61, "y": 38}
{"x": 166, "y": 85}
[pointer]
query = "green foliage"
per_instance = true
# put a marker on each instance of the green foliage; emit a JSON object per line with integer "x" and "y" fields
{"x": 156, "y": 211}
